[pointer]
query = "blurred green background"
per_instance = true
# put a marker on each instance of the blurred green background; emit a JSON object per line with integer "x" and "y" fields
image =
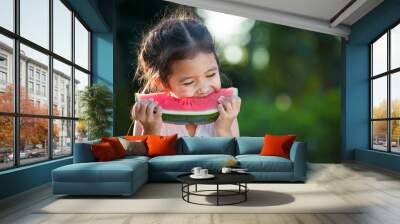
{"x": 288, "y": 79}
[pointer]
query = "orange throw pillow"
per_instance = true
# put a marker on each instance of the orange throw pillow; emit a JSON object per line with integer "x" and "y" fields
{"x": 135, "y": 137}
{"x": 161, "y": 145}
{"x": 116, "y": 145}
{"x": 275, "y": 145}
{"x": 103, "y": 151}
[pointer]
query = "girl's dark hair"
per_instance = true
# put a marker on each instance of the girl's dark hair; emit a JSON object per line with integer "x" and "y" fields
{"x": 178, "y": 36}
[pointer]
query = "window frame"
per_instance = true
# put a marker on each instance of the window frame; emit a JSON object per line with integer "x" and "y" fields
{"x": 388, "y": 74}
{"x": 16, "y": 115}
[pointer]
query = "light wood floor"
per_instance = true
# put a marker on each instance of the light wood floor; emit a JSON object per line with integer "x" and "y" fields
{"x": 353, "y": 182}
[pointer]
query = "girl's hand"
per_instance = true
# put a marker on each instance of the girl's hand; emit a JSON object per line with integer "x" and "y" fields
{"x": 228, "y": 109}
{"x": 148, "y": 113}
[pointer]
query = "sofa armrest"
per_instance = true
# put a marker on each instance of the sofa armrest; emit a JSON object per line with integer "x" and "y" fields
{"x": 83, "y": 152}
{"x": 298, "y": 155}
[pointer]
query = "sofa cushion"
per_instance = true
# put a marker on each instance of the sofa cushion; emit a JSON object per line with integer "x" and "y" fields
{"x": 185, "y": 163}
{"x": 249, "y": 145}
{"x": 111, "y": 171}
{"x": 131, "y": 158}
{"x": 83, "y": 153}
{"x": 207, "y": 145}
{"x": 257, "y": 163}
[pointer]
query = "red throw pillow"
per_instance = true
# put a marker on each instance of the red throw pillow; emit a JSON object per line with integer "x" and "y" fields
{"x": 161, "y": 145}
{"x": 103, "y": 151}
{"x": 116, "y": 145}
{"x": 275, "y": 145}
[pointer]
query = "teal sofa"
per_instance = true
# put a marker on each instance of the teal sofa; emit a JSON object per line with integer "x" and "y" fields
{"x": 125, "y": 176}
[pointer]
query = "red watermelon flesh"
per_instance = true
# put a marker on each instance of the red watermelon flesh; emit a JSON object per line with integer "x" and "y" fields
{"x": 198, "y": 110}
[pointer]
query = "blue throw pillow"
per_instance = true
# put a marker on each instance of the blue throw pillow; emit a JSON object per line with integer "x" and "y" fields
{"x": 249, "y": 145}
{"x": 207, "y": 145}
{"x": 83, "y": 153}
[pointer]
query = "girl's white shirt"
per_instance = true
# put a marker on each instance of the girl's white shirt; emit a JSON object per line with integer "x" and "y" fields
{"x": 202, "y": 130}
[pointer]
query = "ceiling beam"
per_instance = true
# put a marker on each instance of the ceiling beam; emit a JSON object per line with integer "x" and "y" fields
{"x": 346, "y": 12}
{"x": 268, "y": 15}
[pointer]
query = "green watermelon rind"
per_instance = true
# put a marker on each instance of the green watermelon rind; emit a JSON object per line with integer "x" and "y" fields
{"x": 196, "y": 119}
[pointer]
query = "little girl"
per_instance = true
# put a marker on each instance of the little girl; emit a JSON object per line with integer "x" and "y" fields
{"x": 178, "y": 57}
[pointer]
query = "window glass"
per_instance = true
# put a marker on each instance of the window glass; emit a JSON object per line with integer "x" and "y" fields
{"x": 81, "y": 131}
{"x": 395, "y": 47}
{"x": 62, "y": 29}
{"x": 6, "y": 74}
{"x": 35, "y": 21}
{"x": 62, "y": 138}
{"x": 33, "y": 140}
{"x": 395, "y": 95}
{"x": 81, "y": 45}
{"x": 379, "y": 56}
{"x": 379, "y": 100}
{"x": 379, "y": 135}
{"x": 39, "y": 62}
{"x": 7, "y": 14}
{"x": 62, "y": 91}
{"x": 6, "y": 142}
{"x": 395, "y": 136}
{"x": 81, "y": 81}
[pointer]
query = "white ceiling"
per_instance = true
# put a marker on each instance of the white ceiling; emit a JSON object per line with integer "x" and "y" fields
{"x": 321, "y": 9}
{"x": 325, "y": 16}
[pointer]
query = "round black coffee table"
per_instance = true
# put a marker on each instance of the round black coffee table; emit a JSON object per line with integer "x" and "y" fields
{"x": 238, "y": 179}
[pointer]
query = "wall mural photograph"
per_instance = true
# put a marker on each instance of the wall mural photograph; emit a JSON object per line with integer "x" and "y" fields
{"x": 273, "y": 79}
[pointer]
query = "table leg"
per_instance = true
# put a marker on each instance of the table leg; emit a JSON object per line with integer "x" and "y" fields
{"x": 245, "y": 193}
{"x": 188, "y": 189}
{"x": 196, "y": 188}
{"x": 217, "y": 194}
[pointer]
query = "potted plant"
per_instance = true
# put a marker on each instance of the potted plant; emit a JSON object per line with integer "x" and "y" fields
{"x": 96, "y": 105}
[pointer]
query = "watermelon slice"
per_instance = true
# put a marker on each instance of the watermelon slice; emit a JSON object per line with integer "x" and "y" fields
{"x": 198, "y": 110}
